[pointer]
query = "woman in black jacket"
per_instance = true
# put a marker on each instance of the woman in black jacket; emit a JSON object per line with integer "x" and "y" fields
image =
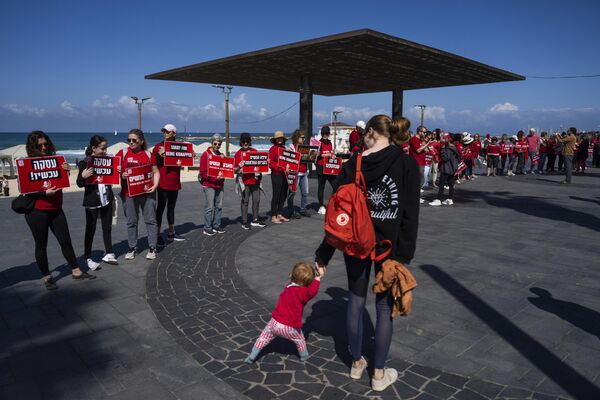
{"x": 393, "y": 188}
{"x": 98, "y": 201}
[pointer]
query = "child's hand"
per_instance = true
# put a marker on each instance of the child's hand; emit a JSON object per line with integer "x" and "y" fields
{"x": 321, "y": 271}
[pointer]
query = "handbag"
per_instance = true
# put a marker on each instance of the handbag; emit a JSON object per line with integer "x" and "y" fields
{"x": 23, "y": 204}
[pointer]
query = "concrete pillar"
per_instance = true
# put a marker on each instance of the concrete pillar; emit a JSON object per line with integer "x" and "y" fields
{"x": 397, "y": 102}
{"x": 306, "y": 107}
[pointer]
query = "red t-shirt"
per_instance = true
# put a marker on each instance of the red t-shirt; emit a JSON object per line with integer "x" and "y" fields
{"x": 49, "y": 203}
{"x": 130, "y": 160}
{"x": 292, "y": 300}
{"x": 493, "y": 150}
{"x": 476, "y": 148}
{"x": 274, "y": 160}
{"x": 459, "y": 148}
{"x": 250, "y": 178}
{"x": 354, "y": 138}
{"x": 521, "y": 146}
{"x": 169, "y": 176}
{"x": 414, "y": 144}
{"x": 325, "y": 149}
{"x": 209, "y": 181}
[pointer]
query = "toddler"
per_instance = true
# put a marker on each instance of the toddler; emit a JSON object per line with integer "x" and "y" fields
{"x": 286, "y": 318}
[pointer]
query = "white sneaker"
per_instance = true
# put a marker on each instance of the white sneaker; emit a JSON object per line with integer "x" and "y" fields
{"x": 322, "y": 210}
{"x": 390, "y": 375}
{"x": 435, "y": 203}
{"x": 356, "y": 372}
{"x": 421, "y": 201}
{"x": 448, "y": 202}
{"x": 446, "y": 187}
{"x": 110, "y": 259}
{"x": 130, "y": 255}
{"x": 422, "y": 191}
{"x": 93, "y": 265}
{"x": 151, "y": 255}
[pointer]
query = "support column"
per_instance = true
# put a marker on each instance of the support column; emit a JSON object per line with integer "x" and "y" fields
{"x": 306, "y": 107}
{"x": 397, "y": 102}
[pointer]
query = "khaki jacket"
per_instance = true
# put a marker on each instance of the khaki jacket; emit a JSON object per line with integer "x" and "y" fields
{"x": 396, "y": 277}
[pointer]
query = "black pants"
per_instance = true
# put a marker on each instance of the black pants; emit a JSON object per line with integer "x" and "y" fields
{"x": 322, "y": 179}
{"x": 39, "y": 222}
{"x": 551, "y": 162}
{"x": 561, "y": 162}
{"x": 503, "y": 158}
{"x": 91, "y": 216}
{"x": 280, "y": 189}
{"x": 449, "y": 180}
{"x": 492, "y": 162}
{"x": 254, "y": 192}
{"x": 520, "y": 163}
{"x": 166, "y": 198}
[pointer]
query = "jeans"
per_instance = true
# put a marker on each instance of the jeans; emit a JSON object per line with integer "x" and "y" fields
{"x": 303, "y": 188}
{"x": 147, "y": 203}
{"x": 91, "y": 217}
{"x": 213, "y": 205}
{"x": 426, "y": 171}
{"x": 422, "y": 175}
{"x": 532, "y": 165}
{"x": 254, "y": 192}
{"x": 568, "y": 168}
{"x": 511, "y": 162}
{"x": 503, "y": 158}
{"x": 543, "y": 157}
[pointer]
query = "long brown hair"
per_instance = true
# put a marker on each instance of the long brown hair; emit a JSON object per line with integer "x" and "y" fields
{"x": 296, "y": 135}
{"x": 32, "y": 144}
{"x": 396, "y": 130}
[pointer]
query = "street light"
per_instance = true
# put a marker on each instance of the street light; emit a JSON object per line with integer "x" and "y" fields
{"x": 422, "y": 107}
{"x": 226, "y": 90}
{"x": 139, "y": 107}
{"x": 335, "y": 114}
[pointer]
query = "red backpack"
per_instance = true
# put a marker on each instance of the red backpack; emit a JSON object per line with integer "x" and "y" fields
{"x": 348, "y": 224}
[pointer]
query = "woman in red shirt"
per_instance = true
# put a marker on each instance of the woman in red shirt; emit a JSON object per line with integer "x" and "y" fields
{"x": 137, "y": 155}
{"x": 435, "y": 148}
{"x": 492, "y": 152}
{"x": 278, "y": 178}
{"x": 47, "y": 214}
{"x": 325, "y": 150}
{"x": 521, "y": 148}
{"x": 213, "y": 189}
{"x": 249, "y": 184}
{"x": 298, "y": 138}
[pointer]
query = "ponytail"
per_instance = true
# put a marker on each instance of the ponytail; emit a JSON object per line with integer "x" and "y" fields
{"x": 395, "y": 130}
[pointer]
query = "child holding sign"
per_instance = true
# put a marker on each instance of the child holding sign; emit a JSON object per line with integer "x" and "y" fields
{"x": 47, "y": 214}
{"x": 286, "y": 318}
{"x": 98, "y": 201}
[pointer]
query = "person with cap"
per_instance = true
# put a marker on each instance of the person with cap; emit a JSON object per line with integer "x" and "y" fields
{"x": 449, "y": 159}
{"x": 298, "y": 138}
{"x": 325, "y": 150}
{"x": 568, "y": 143}
{"x": 248, "y": 184}
{"x": 278, "y": 178}
{"x": 212, "y": 186}
{"x": 468, "y": 156}
{"x": 356, "y": 133}
{"x": 169, "y": 186}
{"x": 533, "y": 148}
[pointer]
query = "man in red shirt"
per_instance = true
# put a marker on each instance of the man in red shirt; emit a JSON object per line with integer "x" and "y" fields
{"x": 356, "y": 134}
{"x": 417, "y": 150}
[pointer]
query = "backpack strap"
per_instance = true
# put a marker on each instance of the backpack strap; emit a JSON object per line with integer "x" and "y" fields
{"x": 359, "y": 179}
{"x": 384, "y": 243}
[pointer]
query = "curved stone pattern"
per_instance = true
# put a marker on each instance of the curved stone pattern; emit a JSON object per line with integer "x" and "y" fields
{"x": 199, "y": 297}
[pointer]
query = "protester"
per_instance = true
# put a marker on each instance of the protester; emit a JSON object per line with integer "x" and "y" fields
{"x": 389, "y": 174}
{"x": 449, "y": 160}
{"x": 506, "y": 149}
{"x": 98, "y": 201}
{"x": 428, "y": 160}
{"x": 435, "y": 148}
{"x": 212, "y": 186}
{"x": 417, "y": 150}
{"x": 543, "y": 152}
{"x": 468, "y": 156}
{"x": 533, "y": 147}
{"x": 325, "y": 150}
{"x": 47, "y": 214}
{"x": 278, "y": 178}
{"x": 356, "y": 134}
{"x": 286, "y": 318}
{"x": 137, "y": 155}
{"x": 169, "y": 186}
{"x": 248, "y": 184}
{"x": 298, "y": 138}
{"x": 493, "y": 155}
{"x": 551, "y": 151}
{"x": 568, "y": 143}
{"x": 582, "y": 154}
{"x": 596, "y": 153}
{"x": 520, "y": 150}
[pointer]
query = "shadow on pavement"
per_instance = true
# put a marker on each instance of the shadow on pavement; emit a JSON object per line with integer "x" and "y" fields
{"x": 546, "y": 361}
{"x": 582, "y": 317}
{"x": 584, "y": 199}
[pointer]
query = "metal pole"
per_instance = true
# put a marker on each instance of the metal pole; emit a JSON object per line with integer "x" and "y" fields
{"x": 227, "y": 123}
{"x": 335, "y": 114}
{"x": 422, "y": 107}
{"x": 139, "y": 105}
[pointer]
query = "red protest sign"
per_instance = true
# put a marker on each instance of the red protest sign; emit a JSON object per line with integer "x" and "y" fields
{"x": 255, "y": 162}
{"x": 220, "y": 165}
{"x": 106, "y": 170}
{"x": 37, "y": 174}
{"x": 460, "y": 168}
{"x": 289, "y": 159}
{"x": 332, "y": 166}
{"x": 308, "y": 154}
{"x": 292, "y": 180}
{"x": 139, "y": 180}
{"x": 179, "y": 154}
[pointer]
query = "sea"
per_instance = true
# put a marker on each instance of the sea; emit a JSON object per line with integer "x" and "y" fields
{"x": 72, "y": 144}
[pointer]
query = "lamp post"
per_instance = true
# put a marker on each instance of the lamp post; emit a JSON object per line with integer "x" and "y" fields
{"x": 139, "y": 103}
{"x": 422, "y": 107}
{"x": 226, "y": 90}
{"x": 335, "y": 114}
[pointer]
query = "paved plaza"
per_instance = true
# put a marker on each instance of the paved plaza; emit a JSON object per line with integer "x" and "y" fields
{"x": 507, "y": 306}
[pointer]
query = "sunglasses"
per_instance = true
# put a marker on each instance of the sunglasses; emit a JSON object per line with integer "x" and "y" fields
{"x": 132, "y": 140}
{"x": 302, "y": 137}
{"x": 246, "y": 141}
{"x": 216, "y": 143}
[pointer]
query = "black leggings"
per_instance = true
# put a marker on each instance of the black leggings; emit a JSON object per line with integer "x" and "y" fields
{"x": 91, "y": 216}
{"x": 358, "y": 272}
{"x": 280, "y": 189}
{"x": 166, "y": 198}
{"x": 39, "y": 222}
{"x": 322, "y": 179}
{"x": 446, "y": 179}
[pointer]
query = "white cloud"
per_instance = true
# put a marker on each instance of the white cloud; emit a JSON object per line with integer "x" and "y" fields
{"x": 24, "y": 110}
{"x": 349, "y": 114}
{"x": 504, "y": 108}
{"x": 70, "y": 109}
{"x": 432, "y": 114}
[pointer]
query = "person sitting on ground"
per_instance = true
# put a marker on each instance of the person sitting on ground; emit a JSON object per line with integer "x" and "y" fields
{"x": 286, "y": 318}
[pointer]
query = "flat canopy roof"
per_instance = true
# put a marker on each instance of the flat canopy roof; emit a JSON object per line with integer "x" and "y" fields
{"x": 362, "y": 61}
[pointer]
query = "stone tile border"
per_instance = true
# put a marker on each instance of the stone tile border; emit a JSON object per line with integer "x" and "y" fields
{"x": 199, "y": 297}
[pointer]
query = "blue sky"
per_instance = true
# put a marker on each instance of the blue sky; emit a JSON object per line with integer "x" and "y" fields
{"x": 71, "y": 65}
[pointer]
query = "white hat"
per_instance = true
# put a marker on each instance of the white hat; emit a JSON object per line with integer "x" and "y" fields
{"x": 169, "y": 128}
{"x": 361, "y": 124}
{"x": 532, "y": 130}
{"x": 465, "y": 134}
{"x": 514, "y": 137}
{"x": 467, "y": 140}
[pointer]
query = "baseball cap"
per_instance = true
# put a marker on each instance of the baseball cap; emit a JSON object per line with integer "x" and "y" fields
{"x": 361, "y": 124}
{"x": 169, "y": 128}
